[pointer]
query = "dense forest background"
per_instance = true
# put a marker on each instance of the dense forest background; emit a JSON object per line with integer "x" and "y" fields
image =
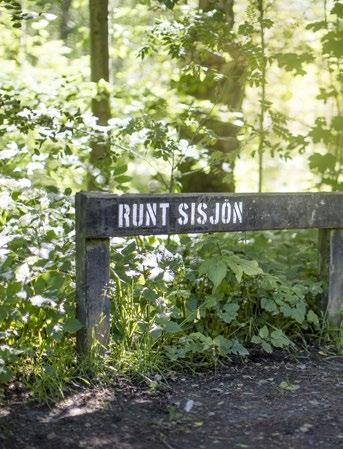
{"x": 162, "y": 96}
{"x": 245, "y": 91}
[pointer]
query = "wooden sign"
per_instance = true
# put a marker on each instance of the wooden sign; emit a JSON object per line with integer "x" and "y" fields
{"x": 106, "y": 215}
{"x": 100, "y": 216}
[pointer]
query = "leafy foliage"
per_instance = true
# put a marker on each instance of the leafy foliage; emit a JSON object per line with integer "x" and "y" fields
{"x": 36, "y": 306}
{"x": 329, "y": 133}
{"x": 209, "y": 89}
{"x": 219, "y": 302}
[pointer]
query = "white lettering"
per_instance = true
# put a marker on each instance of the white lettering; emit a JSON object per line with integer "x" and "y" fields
{"x": 156, "y": 214}
{"x": 164, "y": 207}
{"x": 124, "y": 215}
{"x": 183, "y": 219}
{"x": 150, "y": 215}
{"x": 226, "y": 212}
{"x": 215, "y": 219}
{"x": 137, "y": 214}
{"x": 203, "y": 215}
{"x": 192, "y": 213}
{"x": 238, "y": 212}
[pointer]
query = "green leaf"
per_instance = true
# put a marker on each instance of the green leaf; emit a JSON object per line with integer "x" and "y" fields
{"x": 267, "y": 347}
{"x": 149, "y": 295}
{"x": 210, "y": 301}
{"x": 267, "y": 23}
{"x": 122, "y": 179}
{"x": 316, "y": 26}
{"x": 72, "y": 325}
{"x": 279, "y": 339}
{"x": 52, "y": 189}
{"x": 4, "y": 311}
{"x": 255, "y": 339}
{"x": 264, "y": 332}
{"x": 238, "y": 348}
{"x": 333, "y": 44}
{"x": 239, "y": 266}
{"x": 269, "y": 305}
{"x": 6, "y": 373}
{"x": 312, "y": 318}
{"x": 155, "y": 331}
{"x": 169, "y": 326}
{"x": 120, "y": 169}
{"x": 322, "y": 162}
{"x": 174, "y": 353}
{"x": 68, "y": 150}
{"x": 297, "y": 312}
{"x": 50, "y": 235}
{"x": 293, "y": 62}
{"x": 215, "y": 270}
{"x": 250, "y": 267}
{"x": 15, "y": 195}
{"x": 338, "y": 10}
{"x": 236, "y": 268}
{"x": 224, "y": 345}
{"x": 229, "y": 312}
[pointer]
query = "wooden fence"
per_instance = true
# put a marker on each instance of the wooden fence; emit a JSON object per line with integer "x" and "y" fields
{"x": 100, "y": 216}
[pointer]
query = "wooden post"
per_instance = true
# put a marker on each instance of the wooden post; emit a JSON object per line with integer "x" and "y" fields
{"x": 324, "y": 262}
{"x": 335, "y": 288}
{"x": 331, "y": 272}
{"x": 92, "y": 280}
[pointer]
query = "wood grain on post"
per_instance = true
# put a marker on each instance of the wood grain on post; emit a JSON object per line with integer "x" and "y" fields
{"x": 335, "y": 288}
{"x": 324, "y": 262}
{"x": 92, "y": 279}
{"x": 331, "y": 273}
{"x": 108, "y": 215}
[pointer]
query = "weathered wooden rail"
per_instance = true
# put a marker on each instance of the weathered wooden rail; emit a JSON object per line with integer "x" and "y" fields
{"x": 100, "y": 216}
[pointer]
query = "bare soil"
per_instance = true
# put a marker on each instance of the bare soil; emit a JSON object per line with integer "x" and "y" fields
{"x": 276, "y": 402}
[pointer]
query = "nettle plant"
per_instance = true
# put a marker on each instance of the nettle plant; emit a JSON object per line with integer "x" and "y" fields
{"x": 217, "y": 303}
{"x": 36, "y": 279}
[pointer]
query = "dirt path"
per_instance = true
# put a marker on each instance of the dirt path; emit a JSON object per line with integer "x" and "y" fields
{"x": 293, "y": 404}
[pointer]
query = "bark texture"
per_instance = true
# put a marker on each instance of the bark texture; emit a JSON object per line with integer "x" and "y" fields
{"x": 99, "y": 59}
{"x": 65, "y": 16}
{"x": 228, "y": 91}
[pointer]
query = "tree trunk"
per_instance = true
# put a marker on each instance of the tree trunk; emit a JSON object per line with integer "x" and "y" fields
{"x": 228, "y": 91}
{"x": 64, "y": 24}
{"x": 99, "y": 59}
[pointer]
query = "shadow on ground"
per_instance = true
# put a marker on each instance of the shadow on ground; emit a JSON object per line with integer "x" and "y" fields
{"x": 291, "y": 404}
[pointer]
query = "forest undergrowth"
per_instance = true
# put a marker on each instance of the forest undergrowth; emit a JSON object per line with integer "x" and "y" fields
{"x": 183, "y": 302}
